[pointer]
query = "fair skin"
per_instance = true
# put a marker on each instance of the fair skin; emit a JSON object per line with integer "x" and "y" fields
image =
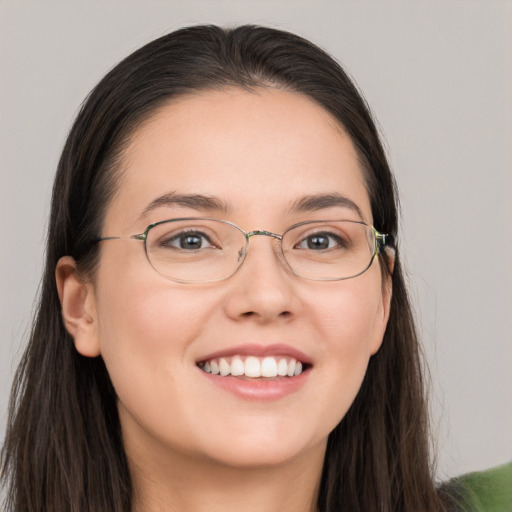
{"x": 192, "y": 444}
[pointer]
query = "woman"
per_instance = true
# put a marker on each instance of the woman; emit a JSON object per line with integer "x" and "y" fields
{"x": 223, "y": 320}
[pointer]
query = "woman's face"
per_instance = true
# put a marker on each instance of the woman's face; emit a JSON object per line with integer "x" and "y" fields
{"x": 257, "y": 154}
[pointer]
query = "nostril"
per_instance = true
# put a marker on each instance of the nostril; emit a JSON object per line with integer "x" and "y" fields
{"x": 252, "y": 314}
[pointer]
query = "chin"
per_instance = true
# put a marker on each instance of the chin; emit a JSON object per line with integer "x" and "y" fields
{"x": 266, "y": 446}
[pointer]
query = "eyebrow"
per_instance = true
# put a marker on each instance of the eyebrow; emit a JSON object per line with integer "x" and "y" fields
{"x": 318, "y": 202}
{"x": 198, "y": 202}
{"x": 205, "y": 203}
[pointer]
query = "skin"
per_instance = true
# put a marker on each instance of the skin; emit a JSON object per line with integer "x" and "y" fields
{"x": 193, "y": 446}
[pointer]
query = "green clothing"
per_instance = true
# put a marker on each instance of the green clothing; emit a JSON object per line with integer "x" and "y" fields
{"x": 485, "y": 491}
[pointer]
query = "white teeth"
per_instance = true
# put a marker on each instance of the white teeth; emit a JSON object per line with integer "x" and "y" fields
{"x": 282, "y": 368}
{"x": 237, "y": 366}
{"x": 291, "y": 368}
{"x": 224, "y": 367}
{"x": 269, "y": 367}
{"x": 253, "y": 367}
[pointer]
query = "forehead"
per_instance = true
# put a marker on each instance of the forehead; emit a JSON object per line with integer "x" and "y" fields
{"x": 257, "y": 151}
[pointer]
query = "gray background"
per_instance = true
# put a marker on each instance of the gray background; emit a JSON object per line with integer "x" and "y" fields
{"x": 438, "y": 77}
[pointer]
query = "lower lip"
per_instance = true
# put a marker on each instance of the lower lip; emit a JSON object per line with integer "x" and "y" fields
{"x": 265, "y": 389}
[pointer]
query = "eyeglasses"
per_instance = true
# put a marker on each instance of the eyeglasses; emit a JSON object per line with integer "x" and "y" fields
{"x": 203, "y": 250}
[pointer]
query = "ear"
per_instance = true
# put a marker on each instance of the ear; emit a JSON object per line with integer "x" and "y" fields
{"x": 78, "y": 307}
{"x": 382, "y": 317}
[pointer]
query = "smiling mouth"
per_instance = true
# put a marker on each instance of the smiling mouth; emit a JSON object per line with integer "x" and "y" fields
{"x": 254, "y": 367}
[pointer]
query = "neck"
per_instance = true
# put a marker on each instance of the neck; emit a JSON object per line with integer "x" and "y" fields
{"x": 187, "y": 484}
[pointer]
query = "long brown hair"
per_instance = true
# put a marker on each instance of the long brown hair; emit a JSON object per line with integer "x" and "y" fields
{"x": 63, "y": 449}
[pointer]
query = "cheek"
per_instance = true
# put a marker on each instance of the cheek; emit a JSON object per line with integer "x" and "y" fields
{"x": 348, "y": 316}
{"x": 146, "y": 326}
{"x": 137, "y": 308}
{"x": 347, "y": 323}
{"x": 147, "y": 321}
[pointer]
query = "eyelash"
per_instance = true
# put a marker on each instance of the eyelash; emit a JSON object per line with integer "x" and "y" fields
{"x": 167, "y": 240}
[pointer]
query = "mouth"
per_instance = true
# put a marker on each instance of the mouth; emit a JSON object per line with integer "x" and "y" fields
{"x": 254, "y": 367}
{"x": 257, "y": 372}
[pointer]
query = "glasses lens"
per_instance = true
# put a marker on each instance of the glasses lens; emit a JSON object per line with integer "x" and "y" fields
{"x": 329, "y": 250}
{"x": 195, "y": 250}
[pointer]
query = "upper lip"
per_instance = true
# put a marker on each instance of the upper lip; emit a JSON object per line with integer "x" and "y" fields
{"x": 277, "y": 349}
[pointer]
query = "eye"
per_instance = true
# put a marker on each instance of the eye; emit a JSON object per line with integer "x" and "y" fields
{"x": 322, "y": 241}
{"x": 187, "y": 241}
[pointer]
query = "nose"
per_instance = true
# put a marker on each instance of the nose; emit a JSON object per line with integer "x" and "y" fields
{"x": 263, "y": 288}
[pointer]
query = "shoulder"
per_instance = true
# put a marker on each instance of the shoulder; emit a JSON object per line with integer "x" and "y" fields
{"x": 483, "y": 491}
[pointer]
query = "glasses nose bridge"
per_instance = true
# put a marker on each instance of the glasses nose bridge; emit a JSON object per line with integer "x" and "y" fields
{"x": 262, "y": 232}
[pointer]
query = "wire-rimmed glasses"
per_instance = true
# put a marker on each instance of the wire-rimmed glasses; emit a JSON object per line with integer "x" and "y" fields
{"x": 204, "y": 250}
